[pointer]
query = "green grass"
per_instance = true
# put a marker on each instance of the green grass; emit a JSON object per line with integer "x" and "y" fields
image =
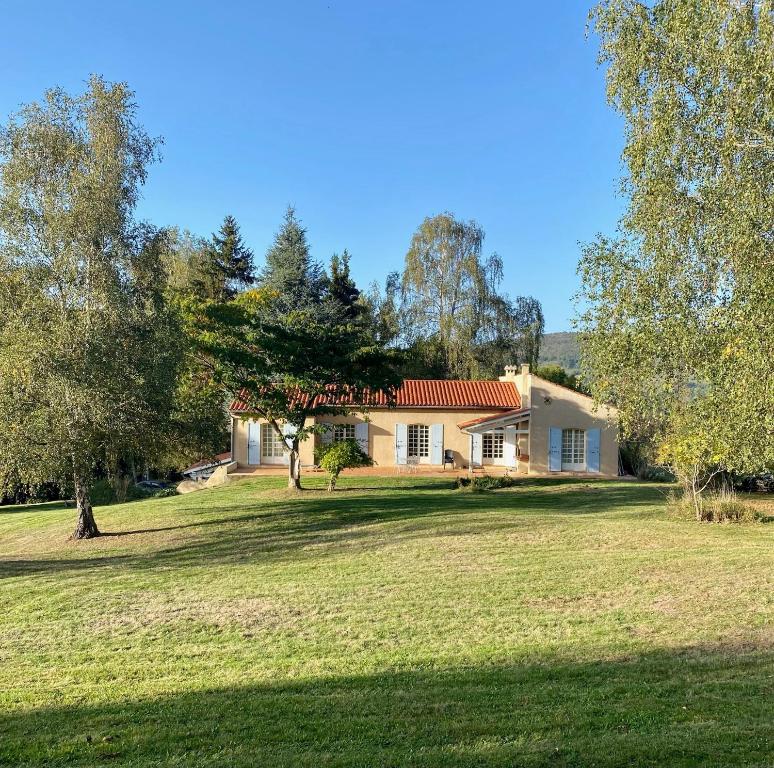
{"x": 394, "y": 623}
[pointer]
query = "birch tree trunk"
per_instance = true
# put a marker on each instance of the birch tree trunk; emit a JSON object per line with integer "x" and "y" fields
{"x": 294, "y": 467}
{"x": 86, "y": 528}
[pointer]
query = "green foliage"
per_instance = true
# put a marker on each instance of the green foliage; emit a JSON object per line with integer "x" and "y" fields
{"x": 87, "y": 362}
{"x": 655, "y": 474}
{"x": 448, "y": 316}
{"x": 232, "y": 260}
{"x": 676, "y": 330}
{"x": 285, "y": 353}
{"x": 339, "y": 455}
{"x": 295, "y": 281}
{"x": 558, "y": 375}
{"x": 485, "y": 482}
{"x": 342, "y": 290}
{"x": 718, "y": 506}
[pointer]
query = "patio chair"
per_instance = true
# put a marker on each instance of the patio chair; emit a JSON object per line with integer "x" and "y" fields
{"x": 448, "y": 458}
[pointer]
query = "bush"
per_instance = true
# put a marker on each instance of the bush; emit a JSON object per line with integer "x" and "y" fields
{"x": 104, "y": 492}
{"x": 164, "y": 493}
{"x": 336, "y": 457}
{"x": 485, "y": 482}
{"x": 763, "y": 483}
{"x": 655, "y": 474}
{"x": 721, "y": 506}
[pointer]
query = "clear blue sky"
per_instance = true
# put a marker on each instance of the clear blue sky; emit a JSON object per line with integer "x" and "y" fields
{"x": 367, "y": 116}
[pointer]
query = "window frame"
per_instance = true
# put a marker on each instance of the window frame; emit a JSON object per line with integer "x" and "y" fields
{"x": 270, "y": 438}
{"x": 493, "y": 445}
{"x": 420, "y": 442}
{"x": 341, "y": 432}
{"x": 573, "y": 450}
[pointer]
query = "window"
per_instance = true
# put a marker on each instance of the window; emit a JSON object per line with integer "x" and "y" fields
{"x": 272, "y": 445}
{"x": 418, "y": 440}
{"x": 343, "y": 432}
{"x": 573, "y": 447}
{"x": 492, "y": 444}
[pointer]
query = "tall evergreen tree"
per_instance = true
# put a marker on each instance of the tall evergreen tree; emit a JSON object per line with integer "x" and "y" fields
{"x": 232, "y": 260}
{"x": 342, "y": 289}
{"x": 290, "y": 274}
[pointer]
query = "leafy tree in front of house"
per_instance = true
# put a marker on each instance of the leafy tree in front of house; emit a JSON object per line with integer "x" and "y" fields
{"x": 678, "y": 310}
{"x": 288, "y": 348}
{"x": 86, "y": 368}
{"x": 335, "y": 457}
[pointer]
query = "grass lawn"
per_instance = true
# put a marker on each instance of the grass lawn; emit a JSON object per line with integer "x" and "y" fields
{"x": 394, "y": 623}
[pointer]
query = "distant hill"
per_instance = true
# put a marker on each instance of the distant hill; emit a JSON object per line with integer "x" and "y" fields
{"x": 560, "y": 348}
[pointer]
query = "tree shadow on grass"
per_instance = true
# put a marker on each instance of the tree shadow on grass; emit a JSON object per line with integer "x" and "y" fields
{"x": 315, "y": 525}
{"x": 681, "y": 708}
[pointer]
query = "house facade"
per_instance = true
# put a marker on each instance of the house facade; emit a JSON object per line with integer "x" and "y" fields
{"x": 520, "y": 422}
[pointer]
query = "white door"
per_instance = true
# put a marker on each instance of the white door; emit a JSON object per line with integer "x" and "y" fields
{"x": 509, "y": 447}
{"x": 273, "y": 448}
{"x": 436, "y": 443}
{"x": 401, "y": 443}
{"x": 573, "y": 450}
{"x": 253, "y": 442}
{"x": 476, "y": 448}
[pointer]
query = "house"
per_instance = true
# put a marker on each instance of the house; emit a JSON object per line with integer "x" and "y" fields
{"x": 202, "y": 470}
{"x": 520, "y": 422}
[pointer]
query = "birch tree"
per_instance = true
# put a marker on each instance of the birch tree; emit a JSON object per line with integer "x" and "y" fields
{"x": 84, "y": 369}
{"x": 678, "y": 308}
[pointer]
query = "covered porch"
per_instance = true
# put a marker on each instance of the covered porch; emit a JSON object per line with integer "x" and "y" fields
{"x": 500, "y": 441}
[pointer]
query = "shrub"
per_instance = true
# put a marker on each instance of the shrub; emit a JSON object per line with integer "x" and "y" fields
{"x": 485, "y": 482}
{"x": 336, "y": 457}
{"x": 655, "y": 474}
{"x": 164, "y": 493}
{"x": 721, "y": 506}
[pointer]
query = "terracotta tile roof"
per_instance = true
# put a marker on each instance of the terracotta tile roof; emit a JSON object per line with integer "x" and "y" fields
{"x": 503, "y": 414}
{"x": 428, "y": 393}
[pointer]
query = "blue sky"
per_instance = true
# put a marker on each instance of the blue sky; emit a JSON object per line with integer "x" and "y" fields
{"x": 366, "y": 116}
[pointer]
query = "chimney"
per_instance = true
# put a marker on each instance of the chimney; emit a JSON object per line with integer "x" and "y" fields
{"x": 521, "y": 377}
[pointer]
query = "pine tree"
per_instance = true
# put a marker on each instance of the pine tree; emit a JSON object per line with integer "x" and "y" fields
{"x": 342, "y": 289}
{"x": 290, "y": 273}
{"x": 231, "y": 260}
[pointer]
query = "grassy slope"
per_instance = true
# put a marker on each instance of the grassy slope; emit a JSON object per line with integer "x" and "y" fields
{"x": 555, "y": 624}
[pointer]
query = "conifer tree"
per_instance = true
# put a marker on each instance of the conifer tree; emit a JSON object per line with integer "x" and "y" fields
{"x": 231, "y": 259}
{"x": 290, "y": 274}
{"x": 342, "y": 289}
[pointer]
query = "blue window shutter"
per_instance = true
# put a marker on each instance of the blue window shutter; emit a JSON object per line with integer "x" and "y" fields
{"x": 555, "y": 449}
{"x": 436, "y": 443}
{"x": 592, "y": 450}
{"x": 361, "y": 435}
{"x": 326, "y": 438}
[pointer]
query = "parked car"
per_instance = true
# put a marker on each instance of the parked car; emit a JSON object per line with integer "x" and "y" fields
{"x": 151, "y": 485}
